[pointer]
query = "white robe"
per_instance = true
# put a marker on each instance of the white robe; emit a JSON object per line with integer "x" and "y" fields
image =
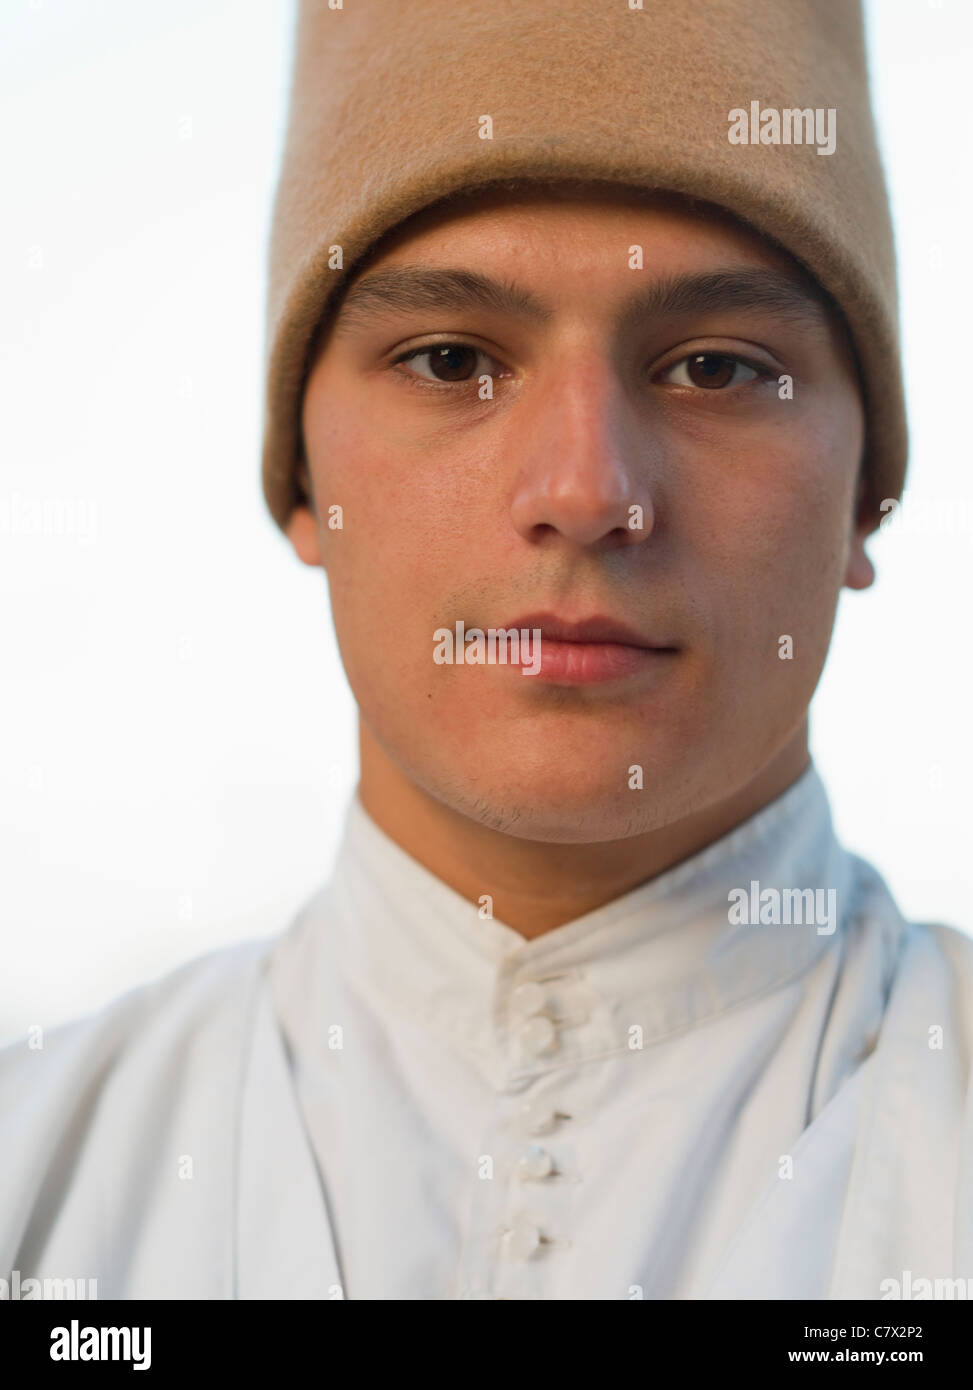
{"x": 719, "y": 1110}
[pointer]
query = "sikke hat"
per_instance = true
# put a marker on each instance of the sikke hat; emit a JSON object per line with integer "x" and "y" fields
{"x": 735, "y": 102}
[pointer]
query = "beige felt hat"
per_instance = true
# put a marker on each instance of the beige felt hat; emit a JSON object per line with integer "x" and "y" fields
{"x": 385, "y": 119}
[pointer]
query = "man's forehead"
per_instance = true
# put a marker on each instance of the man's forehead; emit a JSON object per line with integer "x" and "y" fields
{"x": 512, "y": 207}
{"x": 455, "y": 277}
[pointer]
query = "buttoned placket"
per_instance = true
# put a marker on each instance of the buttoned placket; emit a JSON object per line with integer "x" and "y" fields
{"x": 528, "y": 1173}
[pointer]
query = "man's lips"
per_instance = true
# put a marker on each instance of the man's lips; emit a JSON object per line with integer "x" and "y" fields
{"x": 596, "y": 629}
{"x": 587, "y": 650}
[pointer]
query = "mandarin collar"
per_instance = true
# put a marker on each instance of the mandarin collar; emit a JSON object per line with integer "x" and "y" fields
{"x": 660, "y": 959}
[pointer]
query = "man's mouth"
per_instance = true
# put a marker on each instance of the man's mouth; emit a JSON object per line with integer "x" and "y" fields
{"x": 588, "y": 650}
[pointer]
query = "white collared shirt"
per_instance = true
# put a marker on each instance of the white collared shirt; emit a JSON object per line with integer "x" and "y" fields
{"x": 399, "y": 1099}
{"x": 590, "y": 1114}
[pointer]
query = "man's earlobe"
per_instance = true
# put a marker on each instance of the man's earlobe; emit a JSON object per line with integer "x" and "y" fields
{"x": 860, "y": 573}
{"x": 302, "y": 532}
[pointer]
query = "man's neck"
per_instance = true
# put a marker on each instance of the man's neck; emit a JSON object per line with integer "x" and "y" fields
{"x": 537, "y": 885}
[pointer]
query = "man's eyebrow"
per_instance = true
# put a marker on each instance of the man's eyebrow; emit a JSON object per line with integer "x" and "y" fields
{"x": 409, "y": 289}
{"x": 755, "y": 289}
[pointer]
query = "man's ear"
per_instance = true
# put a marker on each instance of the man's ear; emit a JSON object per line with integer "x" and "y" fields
{"x": 302, "y": 532}
{"x": 860, "y": 572}
{"x": 302, "y": 527}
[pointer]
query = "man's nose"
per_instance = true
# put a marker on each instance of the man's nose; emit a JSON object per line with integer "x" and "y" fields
{"x": 584, "y": 459}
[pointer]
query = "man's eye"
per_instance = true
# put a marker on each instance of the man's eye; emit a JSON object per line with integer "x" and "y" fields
{"x": 449, "y": 362}
{"x": 710, "y": 370}
{"x": 456, "y": 364}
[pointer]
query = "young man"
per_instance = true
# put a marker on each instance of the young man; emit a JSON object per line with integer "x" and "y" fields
{"x": 595, "y": 1005}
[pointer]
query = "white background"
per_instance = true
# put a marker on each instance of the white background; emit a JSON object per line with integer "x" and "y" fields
{"x": 176, "y": 734}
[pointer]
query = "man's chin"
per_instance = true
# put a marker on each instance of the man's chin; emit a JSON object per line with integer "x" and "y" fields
{"x": 579, "y": 812}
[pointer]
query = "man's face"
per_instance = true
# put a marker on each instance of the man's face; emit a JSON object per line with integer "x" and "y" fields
{"x": 639, "y": 463}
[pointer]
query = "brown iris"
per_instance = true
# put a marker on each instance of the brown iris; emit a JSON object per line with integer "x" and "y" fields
{"x": 709, "y": 369}
{"x": 452, "y": 361}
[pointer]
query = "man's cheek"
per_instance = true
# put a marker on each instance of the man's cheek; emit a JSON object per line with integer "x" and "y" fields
{"x": 764, "y": 615}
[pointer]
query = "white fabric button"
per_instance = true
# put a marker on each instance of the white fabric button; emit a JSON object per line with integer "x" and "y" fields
{"x": 538, "y": 1115}
{"x": 538, "y": 1035}
{"x": 522, "y": 1239}
{"x": 528, "y": 998}
{"x": 536, "y": 1163}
